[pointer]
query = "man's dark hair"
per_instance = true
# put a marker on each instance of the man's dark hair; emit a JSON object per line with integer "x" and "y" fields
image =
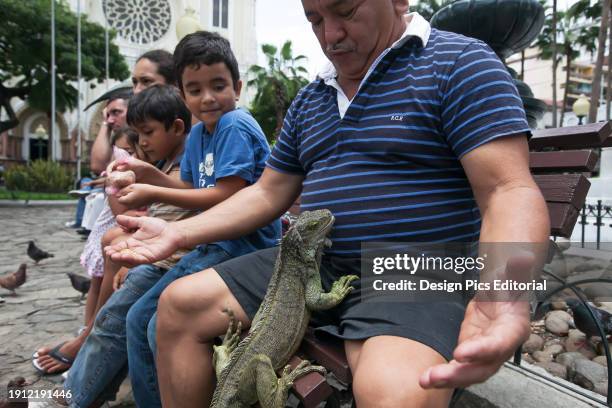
{"x": 162, "y": 103}
{"x": 203, "y": 47}
{"x": 125, "y": 94}
{"x": 165, "y": 64}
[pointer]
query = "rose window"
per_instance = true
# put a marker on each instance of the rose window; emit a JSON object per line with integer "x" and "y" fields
{"x": 139, "y": 21}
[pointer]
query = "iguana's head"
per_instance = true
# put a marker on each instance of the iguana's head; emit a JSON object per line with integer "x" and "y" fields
{"x": 307, "y": 237}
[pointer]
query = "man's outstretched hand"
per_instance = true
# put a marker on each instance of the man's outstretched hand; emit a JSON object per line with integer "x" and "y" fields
{"x": 153, "y": 240}
{"x": 490, "y": 334}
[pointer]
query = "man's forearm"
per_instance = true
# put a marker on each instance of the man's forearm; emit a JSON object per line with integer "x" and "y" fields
{"x": 234, "y": 218}
{"x": 516, "y": 213}
{"x": 101, "y": 151}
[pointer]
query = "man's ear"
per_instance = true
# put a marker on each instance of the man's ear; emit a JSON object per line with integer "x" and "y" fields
{"x": 401, "y": 6}
{"x": 237, "y": 89}
{"x": 179, "y": 126}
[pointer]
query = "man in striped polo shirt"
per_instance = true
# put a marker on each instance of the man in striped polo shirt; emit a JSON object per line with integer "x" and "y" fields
{"x": 410, "y": 135}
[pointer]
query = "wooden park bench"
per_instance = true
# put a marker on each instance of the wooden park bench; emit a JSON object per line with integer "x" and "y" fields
{"x": 561, "y": 159}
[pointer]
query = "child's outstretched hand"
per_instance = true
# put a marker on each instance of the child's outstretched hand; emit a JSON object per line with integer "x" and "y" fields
{"x": 154, "y": 239}
{"x": 136, "y": 195}
{"x": 117, "y": 180}
{"x": 139, "y": 167}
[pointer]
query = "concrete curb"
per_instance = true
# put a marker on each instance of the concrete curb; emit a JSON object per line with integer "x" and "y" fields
{"x": 36, "y": 203}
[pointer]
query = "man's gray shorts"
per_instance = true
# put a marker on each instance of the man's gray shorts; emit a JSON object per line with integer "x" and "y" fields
{"x": 435, "y": 324}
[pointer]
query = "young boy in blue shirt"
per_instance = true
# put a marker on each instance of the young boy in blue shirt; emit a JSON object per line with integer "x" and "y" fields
{"x": 224, "y": 153}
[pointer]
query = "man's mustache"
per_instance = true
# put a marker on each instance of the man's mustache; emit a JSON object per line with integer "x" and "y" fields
{"x": 339, "y": 47}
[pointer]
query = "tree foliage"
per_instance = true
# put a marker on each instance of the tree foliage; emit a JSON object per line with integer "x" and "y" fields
{"x": 277, "y": 85}
{"x": 573, "y": 34}
{"x": 427, "y": 8}
{"x": 25, "y": 46}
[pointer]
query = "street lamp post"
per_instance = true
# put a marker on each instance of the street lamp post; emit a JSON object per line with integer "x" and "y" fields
{"x": 581, "y": 108}
{"x": 41, "y": 134}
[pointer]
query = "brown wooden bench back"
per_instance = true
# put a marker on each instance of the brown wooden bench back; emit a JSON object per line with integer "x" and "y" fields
{"x": 560, "y": 159}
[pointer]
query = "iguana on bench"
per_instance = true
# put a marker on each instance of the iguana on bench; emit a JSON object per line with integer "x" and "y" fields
{"x": 246, "y": 370}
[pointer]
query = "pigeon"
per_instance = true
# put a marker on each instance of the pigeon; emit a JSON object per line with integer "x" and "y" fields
{"x": 584, "y": 322}
{"x": 15, "y": 383}
{"x": 12, "y": 281}
{"x": 79, "y": 283}
{"x": 36, "y": 253}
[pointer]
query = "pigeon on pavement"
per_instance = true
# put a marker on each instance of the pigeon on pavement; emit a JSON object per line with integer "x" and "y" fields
{"x": 15, "y": 384}
{"x": 80, "y": 283}
{"x": 36, "y": 253}
{"x": 12, "y": 281}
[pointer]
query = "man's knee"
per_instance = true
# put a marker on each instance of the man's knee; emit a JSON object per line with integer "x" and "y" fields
{"x": 391, "y": 378}
{"x": 372, "y": 390}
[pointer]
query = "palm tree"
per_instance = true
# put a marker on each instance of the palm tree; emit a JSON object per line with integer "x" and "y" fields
{"x": 601, "y": 48}
{"x": 554, "y": 68}
{"x": 277, "y": 84}
{"x": 569, "y": 39}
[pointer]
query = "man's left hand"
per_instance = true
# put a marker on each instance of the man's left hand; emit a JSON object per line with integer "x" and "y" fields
{"x": 490, "y": 334}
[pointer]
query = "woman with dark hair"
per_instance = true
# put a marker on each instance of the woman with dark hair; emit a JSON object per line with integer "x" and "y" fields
{"x": 153, "y": 67}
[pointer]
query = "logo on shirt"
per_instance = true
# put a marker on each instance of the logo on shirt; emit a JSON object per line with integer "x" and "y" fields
{"x": 209, "y": 164}
{"x": 397, "y": 118}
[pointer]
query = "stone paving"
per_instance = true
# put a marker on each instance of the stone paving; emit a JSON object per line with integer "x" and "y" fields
{"x": 46, "y": 310}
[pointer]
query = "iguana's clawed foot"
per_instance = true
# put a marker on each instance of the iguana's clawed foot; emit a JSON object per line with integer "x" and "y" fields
{"x": 342, "y": 287}
{"x": 232, "y": 335}
{"x": 289, "y": 376}
{"x": 222, "y": 353}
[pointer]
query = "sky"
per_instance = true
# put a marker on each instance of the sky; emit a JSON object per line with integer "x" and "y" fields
{"x": 281, "y": 20}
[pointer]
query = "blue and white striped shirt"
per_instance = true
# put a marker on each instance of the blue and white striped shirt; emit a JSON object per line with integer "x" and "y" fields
{"x": 389, "y": 169}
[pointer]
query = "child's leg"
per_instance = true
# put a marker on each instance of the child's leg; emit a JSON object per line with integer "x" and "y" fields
{"x": 100, "y": 290}
{"x": 101, "y": 364}
{"x": 113, "y": 236}
{"x": 92, "y": 300}
{"x": 140, "y": 357}
{"x": 70, "y": 348}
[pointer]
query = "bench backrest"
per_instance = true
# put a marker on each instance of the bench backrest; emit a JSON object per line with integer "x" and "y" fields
{"x": 560, "y": 165}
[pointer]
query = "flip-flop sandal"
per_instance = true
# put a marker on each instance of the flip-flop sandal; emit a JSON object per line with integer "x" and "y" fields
{"x": 56, "y": 355}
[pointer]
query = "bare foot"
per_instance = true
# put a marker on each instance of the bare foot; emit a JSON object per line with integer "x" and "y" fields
{"x": 50, "y": 364}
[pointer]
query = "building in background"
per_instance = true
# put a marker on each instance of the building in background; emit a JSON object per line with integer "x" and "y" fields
{"x": 141, "y": 25}
{"x": 538, "y": 75}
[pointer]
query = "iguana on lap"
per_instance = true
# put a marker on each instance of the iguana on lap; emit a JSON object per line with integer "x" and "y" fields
{"x": 246, "y": 370}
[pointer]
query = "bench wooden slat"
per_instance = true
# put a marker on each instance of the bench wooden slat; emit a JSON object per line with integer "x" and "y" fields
{"x": 571, "y": 137}
{"x": 563, "y": 217}
{"x": 329, "y": 354}
{"x": 566, "y": 162}
{"x": 563, "y": 188}
{"x": 311, "y": 388}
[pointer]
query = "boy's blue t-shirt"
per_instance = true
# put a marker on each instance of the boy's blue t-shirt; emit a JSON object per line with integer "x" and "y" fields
{"x": 237, "y": 147}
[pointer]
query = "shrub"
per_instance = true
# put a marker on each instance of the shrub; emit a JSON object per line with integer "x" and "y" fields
{"x": 40, "y": 176}
{"x": 16, "y": 178}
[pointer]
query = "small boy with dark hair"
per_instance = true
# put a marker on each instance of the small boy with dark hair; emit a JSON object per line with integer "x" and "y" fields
{"x": 162, "y": 121}
{"x": 224, "y": 153}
